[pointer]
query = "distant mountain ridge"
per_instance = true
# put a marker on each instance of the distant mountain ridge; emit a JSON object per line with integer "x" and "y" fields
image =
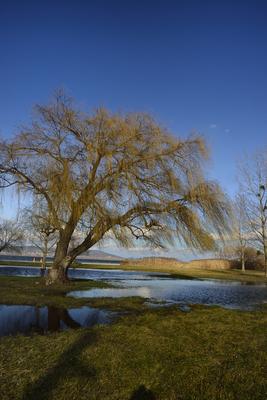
{"x": 32, "y": 251}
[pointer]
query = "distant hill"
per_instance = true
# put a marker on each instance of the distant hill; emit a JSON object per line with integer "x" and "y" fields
{"x": 32, "y": 251}
{"x": 98, "y": 254}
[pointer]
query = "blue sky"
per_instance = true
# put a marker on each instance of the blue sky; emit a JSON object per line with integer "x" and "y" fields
{"x": 197, "y": 66}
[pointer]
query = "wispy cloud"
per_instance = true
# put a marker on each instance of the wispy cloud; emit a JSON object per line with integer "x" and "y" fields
{"x": 213, "y": 126}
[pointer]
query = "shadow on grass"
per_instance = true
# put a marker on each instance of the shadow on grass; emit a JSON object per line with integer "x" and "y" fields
{"x": 68, "y": 365}
{"x": 142, "y": 393}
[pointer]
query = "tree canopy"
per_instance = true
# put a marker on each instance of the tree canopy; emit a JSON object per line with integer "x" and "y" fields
{"x": 121, "y": 175}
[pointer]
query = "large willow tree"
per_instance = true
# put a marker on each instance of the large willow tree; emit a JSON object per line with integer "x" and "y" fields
{"x": 110, "y": 174}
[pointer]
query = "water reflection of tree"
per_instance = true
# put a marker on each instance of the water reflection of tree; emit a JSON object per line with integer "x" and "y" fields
{"x": 55, "y": 315}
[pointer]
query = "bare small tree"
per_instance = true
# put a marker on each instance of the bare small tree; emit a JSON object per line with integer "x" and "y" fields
{"x": 11, "y": 236}
{"x": 241, "y": 228}
{"x": 253, "y": 180}
{"x": 40, "y": 229}
{"x": 122, "y": 175}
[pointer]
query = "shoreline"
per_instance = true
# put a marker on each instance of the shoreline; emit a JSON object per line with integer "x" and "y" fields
{"x": 175, "y": 272}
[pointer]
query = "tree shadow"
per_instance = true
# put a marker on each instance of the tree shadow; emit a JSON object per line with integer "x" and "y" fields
{"x": 68, "y": 365}
{"x": 142, "y": 393}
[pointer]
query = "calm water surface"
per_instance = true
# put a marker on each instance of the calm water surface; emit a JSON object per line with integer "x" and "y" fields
{"x": 83, "y": 273}
{"x": 234, "y": 295}
{"x": 21, "y": 319}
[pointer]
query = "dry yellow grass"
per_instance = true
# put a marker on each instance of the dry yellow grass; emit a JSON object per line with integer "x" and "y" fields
{"x": 212, "y": 263}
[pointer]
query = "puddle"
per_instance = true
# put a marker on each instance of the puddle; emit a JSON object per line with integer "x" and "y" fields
{"x": 233, "y": 295}
{"x": 20, "y": 319}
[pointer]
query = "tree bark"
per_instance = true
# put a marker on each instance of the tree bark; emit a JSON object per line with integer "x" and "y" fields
{"x": 64, "y": 257}
{"x": 59, "y": 269}
{"x": 56, "y": 275}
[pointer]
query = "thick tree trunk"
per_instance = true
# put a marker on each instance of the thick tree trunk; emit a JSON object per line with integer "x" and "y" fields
{"x": 57, "y": 274}
{"x": 64, "y": 257}
{"x": 59, "y": 269}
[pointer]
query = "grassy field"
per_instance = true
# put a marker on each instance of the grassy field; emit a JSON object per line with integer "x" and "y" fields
{"x": 209, "y": 353}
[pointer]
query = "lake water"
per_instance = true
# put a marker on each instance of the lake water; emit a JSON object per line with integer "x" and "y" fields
{"x": 22, "y": 319}
{"x": 83, "y": 273}
{"x": 163, "y": 287}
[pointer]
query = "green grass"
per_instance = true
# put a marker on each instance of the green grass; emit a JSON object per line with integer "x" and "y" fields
{"x": 210, "y": 354}
{"x": 20, "y": 263}
{"x": 33, "y": 291}
{"x": 233, "y": 275}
